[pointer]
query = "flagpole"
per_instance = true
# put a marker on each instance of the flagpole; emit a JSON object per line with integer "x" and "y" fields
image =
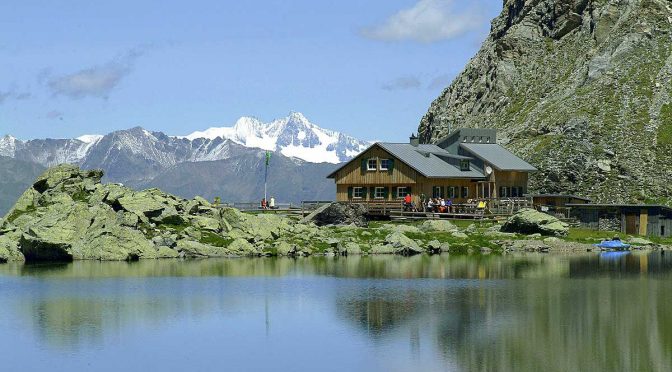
{"x": 266, "y": 160}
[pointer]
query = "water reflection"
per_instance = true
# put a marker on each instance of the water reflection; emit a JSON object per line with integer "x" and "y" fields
{"x": 510, "y": 313}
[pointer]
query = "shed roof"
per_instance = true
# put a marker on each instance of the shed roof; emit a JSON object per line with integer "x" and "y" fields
{"x": 498, "y": 156}
{"x": 571, "y": 196}
{"x": 640, "y": 206}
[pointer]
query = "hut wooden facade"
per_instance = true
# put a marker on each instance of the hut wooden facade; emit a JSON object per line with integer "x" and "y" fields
{"x": 466, "y": 165}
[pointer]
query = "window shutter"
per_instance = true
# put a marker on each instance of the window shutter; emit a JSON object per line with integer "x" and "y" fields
{"x": 350, "y": 192}
{"x": 364, "y": 161}
{"x": 395, "y": 192}
{"x": 364, "y": 192}
{"x": 390, "y": 165}
{"x": 372, "y": 192}
{"x": 408, "y": 190}
{"x": 386, "y": 192}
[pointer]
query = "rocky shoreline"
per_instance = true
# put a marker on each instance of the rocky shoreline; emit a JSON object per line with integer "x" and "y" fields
{"x": 68, "y": 214}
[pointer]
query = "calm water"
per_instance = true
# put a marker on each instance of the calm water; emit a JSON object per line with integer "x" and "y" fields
{"x": 513, "y": 313}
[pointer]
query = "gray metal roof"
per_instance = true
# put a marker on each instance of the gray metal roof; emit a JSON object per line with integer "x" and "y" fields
{"x": 572, "y": 196}
{"x": 429, "y": 165}
{"x": 498, "y": 156}
{"x": 436, "y": 150}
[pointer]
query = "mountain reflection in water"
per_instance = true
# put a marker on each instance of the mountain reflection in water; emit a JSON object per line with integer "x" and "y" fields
{"x": 509, "y": 313}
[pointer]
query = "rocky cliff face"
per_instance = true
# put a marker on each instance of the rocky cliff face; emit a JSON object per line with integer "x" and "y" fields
{"x": 580, "y": 88}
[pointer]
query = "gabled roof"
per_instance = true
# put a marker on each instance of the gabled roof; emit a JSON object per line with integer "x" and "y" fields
{"x": 498, "y": 156}
{"x": 425, "y": 159}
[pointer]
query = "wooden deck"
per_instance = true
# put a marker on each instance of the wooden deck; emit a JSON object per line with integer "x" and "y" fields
{"x": 494, "y": 208}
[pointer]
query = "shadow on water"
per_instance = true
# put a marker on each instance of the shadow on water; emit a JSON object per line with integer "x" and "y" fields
{"x": 509, "y": 313}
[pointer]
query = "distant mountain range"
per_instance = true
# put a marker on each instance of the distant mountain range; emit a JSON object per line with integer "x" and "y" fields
{"x": 225, "y": 162}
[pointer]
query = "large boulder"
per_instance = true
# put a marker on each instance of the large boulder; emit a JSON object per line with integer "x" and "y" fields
{"x": 438, "y": 226}
{"x": 530, "y": 221}
{"x": 401, "y": 244}
{"x": 341, "y": 214}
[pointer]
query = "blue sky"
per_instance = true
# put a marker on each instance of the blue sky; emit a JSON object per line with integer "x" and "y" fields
{"x": 367, "y": 68}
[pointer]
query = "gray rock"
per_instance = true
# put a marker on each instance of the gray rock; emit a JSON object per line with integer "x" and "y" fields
{"x": 340, "y": 214}
{"x": 438, "y": 225}
{"x": 402, "y": 244}
{"x": 529, "y": 221}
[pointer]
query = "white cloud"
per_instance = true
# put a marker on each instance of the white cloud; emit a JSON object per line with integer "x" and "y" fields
{"x": 402, "y": 83}
{"x": 13, "y": 94}
{"x": 440, "y": 82}
{"x": 96, "y": 81}
{"x": 428, "y": 21}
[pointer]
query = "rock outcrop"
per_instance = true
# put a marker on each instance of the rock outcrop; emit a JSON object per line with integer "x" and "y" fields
{"x": 529, "y": 221}
{"x": 582, "y": 89}
{"x": 340, "y": 214}
{"x": 68, "y": 214}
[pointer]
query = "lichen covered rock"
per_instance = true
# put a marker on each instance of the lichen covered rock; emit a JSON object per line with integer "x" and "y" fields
{"x": 530, "y": 221}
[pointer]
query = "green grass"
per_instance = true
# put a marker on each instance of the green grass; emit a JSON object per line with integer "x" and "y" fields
{"x": 81, "y": 196}
{"x": 581, "y": 234}
{"x": 665, "y": 128}
{"x": 215, "y": 240}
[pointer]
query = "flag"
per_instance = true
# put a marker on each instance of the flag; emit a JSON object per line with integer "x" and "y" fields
{"x": 268, "y": 157}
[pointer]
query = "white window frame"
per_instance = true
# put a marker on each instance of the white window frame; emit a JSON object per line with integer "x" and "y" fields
{"x": 382, "y": 192}
{"x": 361, "y": 192}
{"x": 464, "y": 195}
{"x": 440, "y": 193}
{"x": 465, "y": 165}
{"x": 450, "y": 190}
{"x": 368, "y": 164}
{"x": 402, "y": 195}
{"x": 381, "y": 164}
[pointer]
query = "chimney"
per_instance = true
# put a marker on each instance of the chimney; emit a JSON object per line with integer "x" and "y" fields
{"x": 414, "y": 140}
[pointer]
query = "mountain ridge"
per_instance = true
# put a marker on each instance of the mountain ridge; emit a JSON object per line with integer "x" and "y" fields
{"x": 579, "y": 88}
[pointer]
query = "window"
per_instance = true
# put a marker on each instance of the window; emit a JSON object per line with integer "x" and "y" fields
{"x": 384, "y": 164}
{"x": 372, "y": 164}
{"x": 437, "y": 192}
{"x": 380, "y": 193}
{"x": 358, "y": 192}
{"x": 402, "y": 191}
{"x": 464, "y": 165}
{"x": 453, "y": 192}
{"x": 465, "y": 192}
{"x": 662, "y": 231}
{"x": 503, "y": 192}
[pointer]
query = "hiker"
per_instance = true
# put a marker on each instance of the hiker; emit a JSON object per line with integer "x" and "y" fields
{"x": 423, "y": 202}
{"x": 263, "y": 203}
{"x": 408, "y": 202}
{"x": 430, "y": 205}
{"x": 271, "y": 203}
{"x": 449, "y": 205}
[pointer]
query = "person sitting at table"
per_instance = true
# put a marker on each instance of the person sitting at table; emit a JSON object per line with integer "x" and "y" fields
{"x": 442, "y": 205}
{"x": 449, "y": 205}
{"x": 430, "y": 205}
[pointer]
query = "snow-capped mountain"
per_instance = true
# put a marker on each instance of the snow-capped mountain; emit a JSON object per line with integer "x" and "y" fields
{"x": 225, "y": 162}
{"x": 292, "y": 136}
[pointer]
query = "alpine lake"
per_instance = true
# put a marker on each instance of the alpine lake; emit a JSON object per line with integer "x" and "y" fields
{"x": 520, "y": 312}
